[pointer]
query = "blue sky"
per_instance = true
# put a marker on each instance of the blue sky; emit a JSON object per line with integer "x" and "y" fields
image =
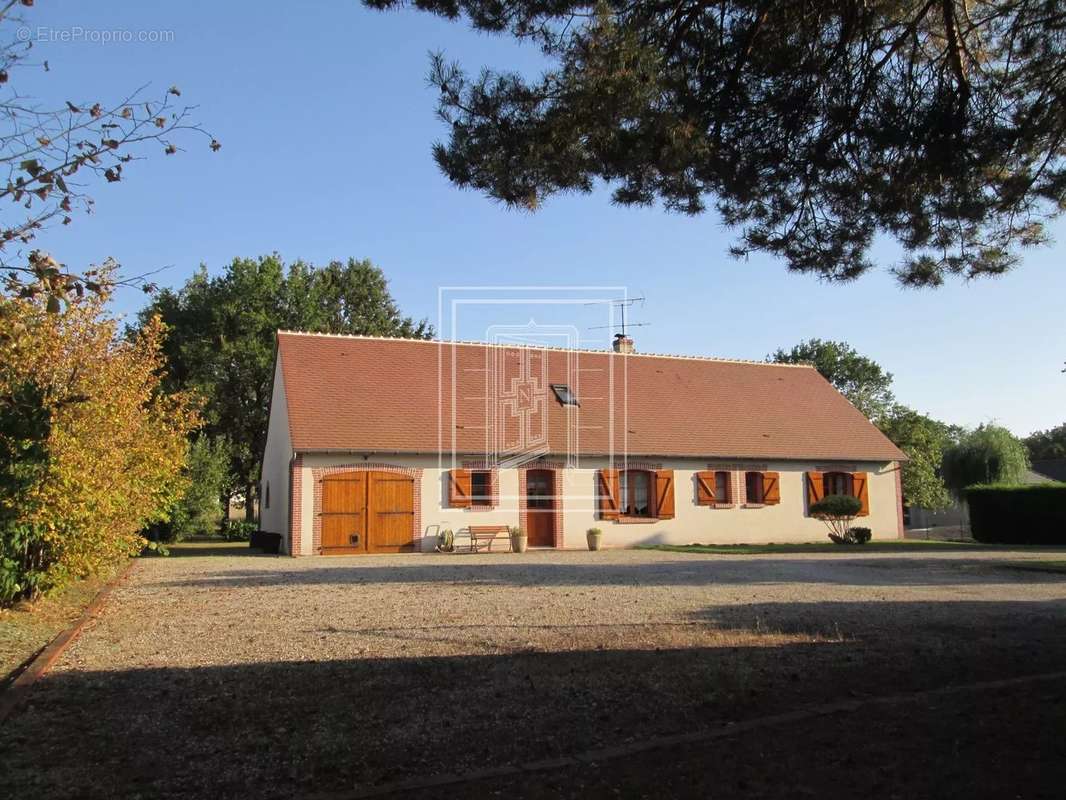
{"x": 326, "y": 122}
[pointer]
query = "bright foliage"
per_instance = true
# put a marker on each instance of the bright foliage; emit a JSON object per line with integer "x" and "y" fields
{"x": 110, "y": 458}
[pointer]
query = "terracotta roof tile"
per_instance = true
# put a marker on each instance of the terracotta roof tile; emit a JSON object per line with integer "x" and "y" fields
{"x": 398, "y": 395}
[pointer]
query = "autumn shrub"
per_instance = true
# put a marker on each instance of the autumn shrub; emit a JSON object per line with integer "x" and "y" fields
{"x": 108, "y": 446}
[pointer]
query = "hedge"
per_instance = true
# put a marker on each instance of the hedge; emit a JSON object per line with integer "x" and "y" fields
{"x": 1034, "y": 514}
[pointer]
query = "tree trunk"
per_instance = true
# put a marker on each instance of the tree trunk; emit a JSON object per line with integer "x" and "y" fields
{"x": 226, "y": 498}
{"x": 249, "y": 502}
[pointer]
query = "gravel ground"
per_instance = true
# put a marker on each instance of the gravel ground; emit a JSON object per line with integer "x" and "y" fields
{"x": 240, "y": 675}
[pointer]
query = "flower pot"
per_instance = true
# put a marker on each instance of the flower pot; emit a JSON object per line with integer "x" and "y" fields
{"x": 519, "y": 542}
{"x": 594, "y": 539}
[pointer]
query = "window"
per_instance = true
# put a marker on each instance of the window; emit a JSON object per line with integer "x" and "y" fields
{"x": 721, "y": 487}
{"x": 753, "y": 484}
{"x": 564, "y": 395}
{"x": 266, "y": 495}
{"x": 480, "y": 487}
{"x": 634, "y": 489}
{"x": 838, "y": 483}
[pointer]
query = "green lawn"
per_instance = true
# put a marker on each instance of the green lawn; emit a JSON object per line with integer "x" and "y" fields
{"x": 28, "y": 627}
{"x": 1039, "y": 566}
{"x": 881, "y": 546}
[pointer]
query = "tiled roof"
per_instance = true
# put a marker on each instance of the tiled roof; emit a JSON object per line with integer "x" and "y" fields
{"x": 401, "y": 395}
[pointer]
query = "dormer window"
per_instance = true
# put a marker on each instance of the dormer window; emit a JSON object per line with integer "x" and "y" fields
{"x": 564, "y": 395}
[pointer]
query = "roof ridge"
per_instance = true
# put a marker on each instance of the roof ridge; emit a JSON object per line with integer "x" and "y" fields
{"x": 473, "y": 343}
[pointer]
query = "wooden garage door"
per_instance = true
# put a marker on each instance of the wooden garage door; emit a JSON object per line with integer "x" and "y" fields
{"x": 391, "y": 511}
{"x": 367, "y": 512}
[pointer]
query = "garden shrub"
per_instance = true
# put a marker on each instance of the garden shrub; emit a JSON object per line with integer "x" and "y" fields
{"x": 25, "y": 424}
{"x": 75, "y": 493}
{"x": 199, "y": 511}
{"x": 238, "y": 530}
{"x": 860, "y": 535}
{"x": 837, "y": 511}
{"x": 1034, "y": 514}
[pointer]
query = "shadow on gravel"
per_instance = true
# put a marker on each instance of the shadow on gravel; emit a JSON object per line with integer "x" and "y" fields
{"x": 667, "y": 572}
{"x": 283, "y": 729}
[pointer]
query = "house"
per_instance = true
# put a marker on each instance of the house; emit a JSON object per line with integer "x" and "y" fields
{"x": 376, "y": 444}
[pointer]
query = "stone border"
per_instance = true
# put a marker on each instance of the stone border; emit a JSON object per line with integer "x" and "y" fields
{"x": 725, "y": 731}
{"x": 19, "y": 690}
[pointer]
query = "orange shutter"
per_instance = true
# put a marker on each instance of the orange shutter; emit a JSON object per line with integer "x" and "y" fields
{"x": 771, "y": 488}
{"x": 664, "y": 493}
{"x": 705, "y": 484}
{"x": 860, "y": 486}
{"x": 607, "y": 493}
{"x": 459, "y": 488}
{"x": 815, "y": 488}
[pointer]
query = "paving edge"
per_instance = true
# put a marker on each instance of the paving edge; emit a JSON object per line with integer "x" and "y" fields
{"x": 19, "y": 689}
{"x": 727, "y": 730}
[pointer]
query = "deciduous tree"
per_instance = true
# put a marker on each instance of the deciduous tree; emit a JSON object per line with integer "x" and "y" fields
{"x": 987, "y": 454}
{"x": 222, "y": 333}
{"x": 858, "y": 378}
{"x": 924, "y": 440}
{"x": 1047, "y": 444}
{"x": 53, "y": 154}
{"x": 814, "y": 126}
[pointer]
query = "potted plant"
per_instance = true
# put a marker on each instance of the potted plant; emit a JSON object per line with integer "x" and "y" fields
{"x": 594, "y": 537}
{"x": 519, "y": 540}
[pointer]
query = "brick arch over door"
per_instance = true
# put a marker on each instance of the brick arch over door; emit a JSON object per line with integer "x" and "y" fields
{"x": 557, "y": 489}
{"x": 318, "y": 473}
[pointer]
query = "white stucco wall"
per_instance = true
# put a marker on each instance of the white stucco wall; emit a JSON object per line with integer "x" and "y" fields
{"x": 276, "y": 457}
{"x": 785, "y": 522}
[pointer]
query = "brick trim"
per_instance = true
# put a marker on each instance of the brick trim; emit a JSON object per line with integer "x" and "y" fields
{"x": 366, "y": 466}
{"x": 483, "y": 465}
{"x": 621, "y": 463}
{"x": 557, "y": 474}
{"x": 295, "y": 504}
{"x": 900, "y": 532}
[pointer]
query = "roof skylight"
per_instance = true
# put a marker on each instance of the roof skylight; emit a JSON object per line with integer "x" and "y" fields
{"x": 564, "y": 395}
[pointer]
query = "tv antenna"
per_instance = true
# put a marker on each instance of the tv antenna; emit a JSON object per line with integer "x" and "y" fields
{"x": 621, "y": 305}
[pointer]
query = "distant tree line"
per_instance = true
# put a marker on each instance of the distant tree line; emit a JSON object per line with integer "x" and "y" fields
{"x": 942, "y": 458}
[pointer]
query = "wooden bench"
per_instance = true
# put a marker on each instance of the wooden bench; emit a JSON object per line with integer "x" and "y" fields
{"x": 484, "y": 535}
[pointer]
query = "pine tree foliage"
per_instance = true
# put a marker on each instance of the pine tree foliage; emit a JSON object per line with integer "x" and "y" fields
{"x": 813, "y": 126}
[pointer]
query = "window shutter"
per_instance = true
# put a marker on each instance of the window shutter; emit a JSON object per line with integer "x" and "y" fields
{"x": 607, "y": 493}
{"x": 860, "y": 486}
{"x": 459, "y": 488}
{"x": 705, "y": 486}
{"x": 771, "y": 488}
{"x": 815, "y": 488}
{"x": 664, "y": 493}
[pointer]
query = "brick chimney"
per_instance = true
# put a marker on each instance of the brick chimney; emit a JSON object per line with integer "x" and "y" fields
{"x": 623, "y": 344}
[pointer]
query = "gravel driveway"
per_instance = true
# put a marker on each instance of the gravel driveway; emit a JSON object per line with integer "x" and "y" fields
{"x": 245, "y": 675}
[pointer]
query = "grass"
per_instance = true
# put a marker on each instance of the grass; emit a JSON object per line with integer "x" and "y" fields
{"x": 1058, "y": 567}
{"x": 212, "y": 547}
{"x": 883, "y": 546}
{"x": 28, "y": 627}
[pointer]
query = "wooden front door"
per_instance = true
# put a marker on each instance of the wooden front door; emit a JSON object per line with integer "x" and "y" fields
{"x": 540, "y": 505}
{"x": 367, "y": 512}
